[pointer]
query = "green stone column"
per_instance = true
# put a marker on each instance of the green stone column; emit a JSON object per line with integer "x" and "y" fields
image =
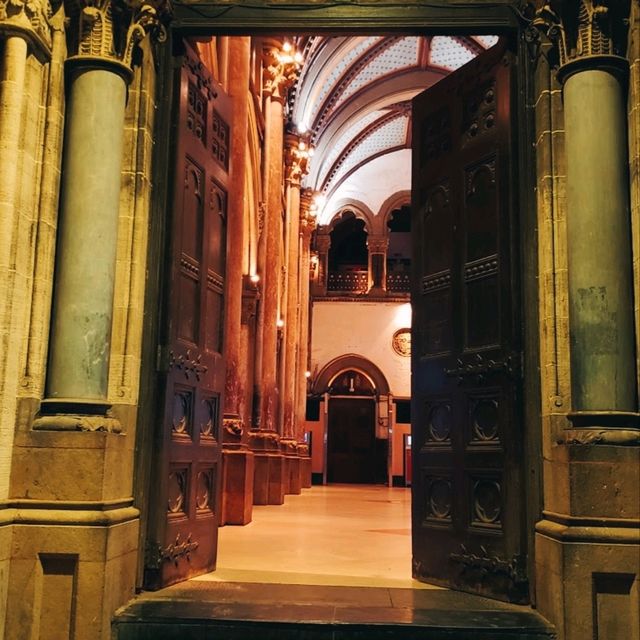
{"x": 86, "y": 252}
{"x": 603, "y": 371}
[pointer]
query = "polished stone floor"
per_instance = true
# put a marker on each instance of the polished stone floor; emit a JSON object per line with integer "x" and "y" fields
{"x": 349, "y": 535}
{"x": 331, "y": 564}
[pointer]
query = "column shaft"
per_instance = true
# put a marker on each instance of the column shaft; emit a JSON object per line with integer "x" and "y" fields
{"x": 291, "y": 333}
{"x": 599, "y": 250}
{"x": 237, "y": 459}
{"x": 271, "y": 278}
{"x": 86, "y": 253}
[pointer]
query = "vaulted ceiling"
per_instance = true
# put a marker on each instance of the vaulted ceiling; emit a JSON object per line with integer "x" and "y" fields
{"x": 353, "y": 97}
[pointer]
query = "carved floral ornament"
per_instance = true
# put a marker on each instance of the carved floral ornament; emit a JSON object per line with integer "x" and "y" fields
{"x": 281, "y": 68}
{"x": 297, "y": 153}
{"x": 109, "y": 30}
{"x": 583, "y": 28}
{"x": 29, "y": 19}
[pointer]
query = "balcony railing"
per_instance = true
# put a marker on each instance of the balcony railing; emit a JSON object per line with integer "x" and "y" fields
{"x": 353, "y": 281}
{"x": 399, "y": 282}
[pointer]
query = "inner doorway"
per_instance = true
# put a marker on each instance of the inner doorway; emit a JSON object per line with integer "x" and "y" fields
{"x": 352, "y": 451}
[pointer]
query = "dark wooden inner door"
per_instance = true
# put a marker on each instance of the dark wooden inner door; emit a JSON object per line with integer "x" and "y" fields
{"x": 468, "y": 496}
{"x": 354, "y": 454}
{"x": 184, "y": 514}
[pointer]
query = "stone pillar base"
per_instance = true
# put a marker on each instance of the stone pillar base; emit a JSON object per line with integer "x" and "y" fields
{"x": 292, "y": 466}
{"x": 237, "y": 486}
{"x": 305, "y": 466}
{"x": 268, "y": 478}
{"x": 277, "y": 479}
{"x": 587, "y": 579}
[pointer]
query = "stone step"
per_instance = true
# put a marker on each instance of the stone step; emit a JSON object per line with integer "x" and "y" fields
{"x": 205, "y": 610}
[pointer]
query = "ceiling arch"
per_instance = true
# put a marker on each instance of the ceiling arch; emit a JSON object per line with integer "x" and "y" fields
{"x": 353, "y": 96}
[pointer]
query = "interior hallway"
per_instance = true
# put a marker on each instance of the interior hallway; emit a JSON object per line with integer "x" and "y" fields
{"x": 343, "y": 535}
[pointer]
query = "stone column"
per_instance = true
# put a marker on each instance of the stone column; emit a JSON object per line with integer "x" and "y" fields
{"x": 279, "y": 73}
{"x": 98, "y": 73}
{"x": 323, "y": 244}
{"x": 307, "y": 225}
{"x": 237, "y": 458}
{"x": 589, "y": 533}
{"x": 296, "y": 161}
{"x": 377, "y": 246}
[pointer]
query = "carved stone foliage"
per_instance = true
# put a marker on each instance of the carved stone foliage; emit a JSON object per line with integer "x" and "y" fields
{"x": 307, "y": 220}
{"x": 280, "y": 73}
{"x": 584, "y": 28}
{"x": 109, "y": 30}
{"x": 296, "y": 157}
{"x": 29, "y": 19}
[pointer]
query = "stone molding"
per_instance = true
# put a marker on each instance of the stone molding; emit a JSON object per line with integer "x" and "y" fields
{"x": 107, "y": 31}
{"x": 28, "y": 19}
{"x": 583, "y": 32}
{"x": 604, "y": 533}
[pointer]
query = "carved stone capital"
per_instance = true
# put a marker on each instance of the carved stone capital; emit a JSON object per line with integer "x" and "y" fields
{"x": 308, "y": 222}
{"x": 28, "y": 19}
{"x": 107, "y": 31}
{"x": 296, "y": 157}
{"x": 582, "y": 33}
{"x": 280, "y": 73}
{"x": 377, "y": 244}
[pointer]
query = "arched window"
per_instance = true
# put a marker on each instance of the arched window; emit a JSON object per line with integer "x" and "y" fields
{"x": 399, "y": 251}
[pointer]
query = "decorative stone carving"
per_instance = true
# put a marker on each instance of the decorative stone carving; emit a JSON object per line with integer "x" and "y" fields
{"x": 29, "y": 19}
{"x": 296, "y": 157}
{"x": 109, "y": 30}
{"x": 280, "y": 72}
{"x": 233, "y": 426}
{"x": 401, "y": 342}
{"x": 583, "y": 29}
{"x": 377, "y": 244}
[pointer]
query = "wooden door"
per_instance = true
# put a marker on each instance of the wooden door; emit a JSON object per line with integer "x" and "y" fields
{"x": 351, "y": 441}
{"x": 184, "y": 515}
{"x": 468, "y": 497}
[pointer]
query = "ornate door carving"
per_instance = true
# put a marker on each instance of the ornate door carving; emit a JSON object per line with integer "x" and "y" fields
{"x": 468, "y": 510}
{"x": 185, "y": 514}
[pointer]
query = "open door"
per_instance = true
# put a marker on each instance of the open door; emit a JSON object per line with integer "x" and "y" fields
{"x": 184, "y": 516}
{"x": 468, "y": 493}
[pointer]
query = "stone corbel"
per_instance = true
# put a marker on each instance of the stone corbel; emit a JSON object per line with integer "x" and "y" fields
{"x": 107, "y": 31}
{"x": 308, "y": 221}
{"x": 31, "y": 20}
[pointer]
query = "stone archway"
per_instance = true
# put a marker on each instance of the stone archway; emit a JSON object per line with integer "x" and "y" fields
{"x": 350, "y": 361}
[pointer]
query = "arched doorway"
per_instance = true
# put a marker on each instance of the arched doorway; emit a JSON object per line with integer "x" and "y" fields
{"x": 357, "y": 396}
{"x": 355, "y": 453}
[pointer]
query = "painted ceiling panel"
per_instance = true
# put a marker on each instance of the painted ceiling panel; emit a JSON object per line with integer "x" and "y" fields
{"x": 401, "y": 55}
{"x": 347, "y": 136}
{"x": 391, "y": 135}
{"x": 449, "y": 53}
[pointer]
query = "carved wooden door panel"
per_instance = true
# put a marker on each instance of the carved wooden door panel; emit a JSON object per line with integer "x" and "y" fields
{"x": 185, "y": 514}
{"x": 468, "y": 524}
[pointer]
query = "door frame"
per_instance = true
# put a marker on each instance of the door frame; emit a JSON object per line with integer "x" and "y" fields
{"x": 468, "y": 18}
